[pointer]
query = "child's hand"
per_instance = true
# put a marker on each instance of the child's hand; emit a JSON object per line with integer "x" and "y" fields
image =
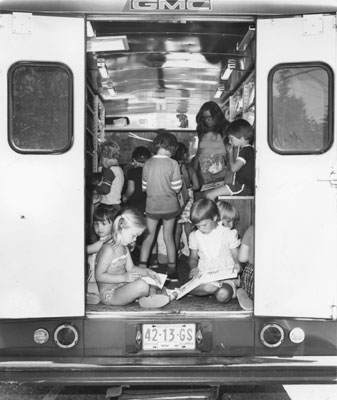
{"x": 236, "y": 268}
{"x": 132, "y": 276}
{"x": 153, "y": 275}
{"x": 194, "y": 273}
{"x": 229, "y": 148}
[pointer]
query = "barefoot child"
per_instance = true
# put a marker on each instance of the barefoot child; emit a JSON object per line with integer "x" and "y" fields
{"x": 119, "y": 281}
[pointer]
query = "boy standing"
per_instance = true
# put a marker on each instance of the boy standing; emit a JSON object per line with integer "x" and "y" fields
{"x": 112, "y": 182}
{"x": 240, "y": 134}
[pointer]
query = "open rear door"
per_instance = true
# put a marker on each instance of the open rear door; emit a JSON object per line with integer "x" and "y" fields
{"x": 42, "y": 166}
{"x": 296, "y": 196}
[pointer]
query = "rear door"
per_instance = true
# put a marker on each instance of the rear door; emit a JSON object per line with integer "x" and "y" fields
{"x": 296, "y": 196}
{"x": 41, "y": 166}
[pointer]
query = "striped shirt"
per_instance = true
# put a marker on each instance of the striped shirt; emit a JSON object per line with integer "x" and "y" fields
{"x": 162, "y": 181}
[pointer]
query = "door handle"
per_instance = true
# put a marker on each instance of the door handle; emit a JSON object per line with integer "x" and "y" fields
{"x": 332, "y": 179}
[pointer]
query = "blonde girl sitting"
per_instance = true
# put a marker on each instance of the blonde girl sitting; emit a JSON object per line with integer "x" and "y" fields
{"x": 119, "y": 281}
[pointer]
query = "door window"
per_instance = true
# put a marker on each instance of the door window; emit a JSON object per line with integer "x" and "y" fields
{"x": 300, "y": 108}
{"x": 40, "y": 107}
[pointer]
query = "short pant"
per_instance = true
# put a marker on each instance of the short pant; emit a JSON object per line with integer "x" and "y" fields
{"x": 163, "y": 216}
{"x": 248, "y": 280}
{"x": 238, "y": 189}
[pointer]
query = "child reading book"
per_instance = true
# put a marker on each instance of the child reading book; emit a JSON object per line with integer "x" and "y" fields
{"x": 213, "y": 250}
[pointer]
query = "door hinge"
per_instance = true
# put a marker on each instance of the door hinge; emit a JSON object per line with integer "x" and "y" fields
{"x": 22, "y": 23}
{"x": 313, "y": 25}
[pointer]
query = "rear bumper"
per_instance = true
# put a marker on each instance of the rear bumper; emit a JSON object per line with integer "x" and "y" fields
{"x": 168, "y": 371}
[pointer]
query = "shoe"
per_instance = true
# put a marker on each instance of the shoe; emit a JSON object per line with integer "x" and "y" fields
{"x": 154, "y": 265}
{"x": 154, "y": 301}
{"x": 246, "y": 303}
{"x": 172, "y": 274}
{"x": 171, "y": 293}
{"x": 92, "y": 298}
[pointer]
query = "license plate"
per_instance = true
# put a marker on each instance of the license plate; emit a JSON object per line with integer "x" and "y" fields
{"x": 168, "y": 336}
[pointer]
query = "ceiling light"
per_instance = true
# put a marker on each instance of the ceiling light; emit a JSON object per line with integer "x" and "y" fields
{"x": 102, "y": 67}
{"x": 229, "y": 69}
{"x": 108, "y": 43}
{"x": 219, "y": 92}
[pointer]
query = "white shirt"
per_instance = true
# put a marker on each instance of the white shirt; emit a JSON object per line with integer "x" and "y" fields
{"x": 214, "y": 248}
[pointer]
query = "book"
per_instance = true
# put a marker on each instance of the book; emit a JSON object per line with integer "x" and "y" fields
{"x": 210, "y": 276}
{"x": 211, "y": 185}
{"x": 151, "y": 281}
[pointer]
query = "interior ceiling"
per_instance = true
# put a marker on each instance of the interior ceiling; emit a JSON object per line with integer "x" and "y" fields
{"x": 169, "y": 67}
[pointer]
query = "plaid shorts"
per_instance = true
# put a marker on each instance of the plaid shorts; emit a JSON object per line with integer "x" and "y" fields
{"x": 247, "y": 280}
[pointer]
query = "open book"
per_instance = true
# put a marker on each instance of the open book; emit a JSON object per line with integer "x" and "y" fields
{"x": 211, "y": 276}
{"x": 151, "y": 281}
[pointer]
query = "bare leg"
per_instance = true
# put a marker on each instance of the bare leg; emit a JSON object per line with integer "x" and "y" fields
{"x": 219, "y": 191}
{"x": 178, "y": 232}
{"x": 187, "y": 227}
{"x": 129, "y": 293}
{"x": 168, "y": 226}
{"x": 148, "y": 240}
{"x": 205, "y": 289}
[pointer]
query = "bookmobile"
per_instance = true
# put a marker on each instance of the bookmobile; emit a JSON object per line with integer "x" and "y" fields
{"x": 79, "y": 72}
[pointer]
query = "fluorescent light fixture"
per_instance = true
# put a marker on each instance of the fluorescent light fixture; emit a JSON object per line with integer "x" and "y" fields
{"x": 102, "y": 68}
{"x": 107, "y": 43}
{"x": 228, "y": 71}
{"x": 109, "y": 86}
{"x": 90, "y": 30}
{"x": 246, "y": 39}
{"x": 219, "y": 92}
{"x": 112, "y": 91}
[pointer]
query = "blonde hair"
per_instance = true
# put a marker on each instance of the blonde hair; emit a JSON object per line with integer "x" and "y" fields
{"x": 109, "y": 149}
{"x": 227, "y": 211}
{"x": 128, "y": 218}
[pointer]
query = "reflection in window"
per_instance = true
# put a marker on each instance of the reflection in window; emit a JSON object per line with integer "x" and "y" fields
{"x": 40, "y": 107}
{"x": 300, "y": 121}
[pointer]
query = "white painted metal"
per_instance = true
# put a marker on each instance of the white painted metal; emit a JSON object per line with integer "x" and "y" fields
{"x": 42, "y": 196}
{"x": 296, "y": 214}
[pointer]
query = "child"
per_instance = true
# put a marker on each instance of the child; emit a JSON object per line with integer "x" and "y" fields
{"x": 229, "y": 216}
{"x": 134, "y": 196}
{"x": 119, "y": 281}
{"x": 212, "y": 247}
{"x": 103, "y": 219}
{"x": 112, "y": 175}
{"x": 190, "y": 184}
{"x": 240, "y": 134}
{"x": 162, "y": 181}
{"x": 210, "y": 158}
{"x": 246, "y": 255}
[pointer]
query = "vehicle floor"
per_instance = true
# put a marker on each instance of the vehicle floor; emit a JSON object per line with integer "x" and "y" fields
{"x": 186, "y": 304}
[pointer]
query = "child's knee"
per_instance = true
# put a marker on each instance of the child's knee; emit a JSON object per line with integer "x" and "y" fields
{"x": 142, "y": 288}
{"x": 209, "y": 289}
{"x": 224, "y": 294}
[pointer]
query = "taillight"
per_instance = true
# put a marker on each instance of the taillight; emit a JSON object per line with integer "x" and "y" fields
{"x": 66, "y": 336}
{"x": 272, "y": 335}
